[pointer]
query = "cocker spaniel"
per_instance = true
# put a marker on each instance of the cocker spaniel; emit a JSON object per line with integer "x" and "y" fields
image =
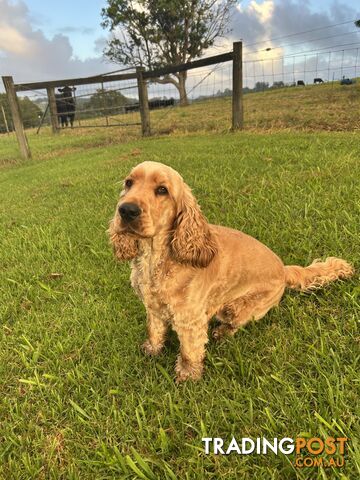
{"x": 186, "y": 271}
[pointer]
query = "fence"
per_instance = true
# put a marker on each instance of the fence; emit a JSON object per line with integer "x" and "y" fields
{"x": 126, "y": 98}
{"x": 105, "y": 98}
{"x": 325, "y": 64}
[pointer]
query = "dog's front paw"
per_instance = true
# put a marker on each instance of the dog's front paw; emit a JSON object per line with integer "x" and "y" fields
{"x": 150, "y": 349}
{"x": 186, "y": 370}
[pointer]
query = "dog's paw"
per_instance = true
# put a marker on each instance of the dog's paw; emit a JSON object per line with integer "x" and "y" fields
{"x": 222, "y": 331}
{"x": 185, "y": 370}
{"x": 150, "y": 349}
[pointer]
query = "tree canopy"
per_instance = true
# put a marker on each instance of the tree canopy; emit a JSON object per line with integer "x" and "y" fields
{"x": 155, "y": 33}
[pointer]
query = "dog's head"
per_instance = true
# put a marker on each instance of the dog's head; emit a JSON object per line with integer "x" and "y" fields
{"x": 156, "y": 201}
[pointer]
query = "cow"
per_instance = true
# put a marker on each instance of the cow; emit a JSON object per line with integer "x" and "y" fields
{"x": 346, "y": 81}
{"x": 134, "y": 107}
{"x": 300, "y": 82}
{"x": 61, "y": 110}
{"x": 158, "y": 103}
{"x": 318, "y": 80}
{"x": 153, "y": 104}
{"x": 65, "y": 106}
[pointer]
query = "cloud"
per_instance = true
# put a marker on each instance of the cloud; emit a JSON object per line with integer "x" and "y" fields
{"x": 99, "y": 44}
{"x": 260, "y": 21}
{"x": 12, "y": 41}
{"x": 82, "y": 30}
{"x": 28, "y": 55}
{"x": 263, "y": 11}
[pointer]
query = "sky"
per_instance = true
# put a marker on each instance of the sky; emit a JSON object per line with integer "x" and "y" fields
{"x": 50, "y": 40}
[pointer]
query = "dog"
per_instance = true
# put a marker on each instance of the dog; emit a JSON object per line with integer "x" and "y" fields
{"x": 187, "y": 271}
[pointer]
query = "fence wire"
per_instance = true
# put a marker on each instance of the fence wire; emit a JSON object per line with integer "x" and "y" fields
{"x": 117, "y": 103}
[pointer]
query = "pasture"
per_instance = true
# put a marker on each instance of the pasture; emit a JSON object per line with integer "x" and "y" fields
{"x": 329, "y": 107}
{"x": 78, "y": 399}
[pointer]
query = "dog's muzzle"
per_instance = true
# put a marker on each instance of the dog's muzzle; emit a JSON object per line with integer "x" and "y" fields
{"x": 129, "y": 211}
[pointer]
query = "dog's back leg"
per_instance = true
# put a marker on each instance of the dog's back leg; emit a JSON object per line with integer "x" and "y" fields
{"x": 252, "y": 306}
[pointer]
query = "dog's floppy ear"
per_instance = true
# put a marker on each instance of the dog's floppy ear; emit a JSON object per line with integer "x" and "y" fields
{"x": 125, "y": 246}
{"x": 192, "y": 242}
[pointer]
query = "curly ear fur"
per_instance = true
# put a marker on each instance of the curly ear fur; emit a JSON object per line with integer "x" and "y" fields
{"x": 192, "y": 242}
{"x": 124, "y": 245}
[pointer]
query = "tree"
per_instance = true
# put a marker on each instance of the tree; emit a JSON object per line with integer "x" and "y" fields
{"x": 29, "y": 110}
{"x": 155, "y": 33}
{"x": 279, "y": 84}
{"x": 108, "y": 100}
{"x": 260, "y": 86}
{"x": 357, "y": 23}
{"x": 31, "y": 113}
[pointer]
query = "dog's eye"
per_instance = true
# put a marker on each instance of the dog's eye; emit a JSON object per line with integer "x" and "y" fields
{"x": 161, "y": 191}
{"x": 128, "y": 183}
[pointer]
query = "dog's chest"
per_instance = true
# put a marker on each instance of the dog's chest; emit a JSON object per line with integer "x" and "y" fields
{"x": 147, "y": 278}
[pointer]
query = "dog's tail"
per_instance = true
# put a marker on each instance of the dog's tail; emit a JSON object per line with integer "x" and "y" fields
{"x": 317, "y": 274}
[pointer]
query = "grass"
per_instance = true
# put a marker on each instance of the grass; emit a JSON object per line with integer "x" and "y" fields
{"x": 78, "y": 400}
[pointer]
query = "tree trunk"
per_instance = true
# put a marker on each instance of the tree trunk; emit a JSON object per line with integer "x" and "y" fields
{"x": 180, "y": 84}
{"x": 182, "y": 89}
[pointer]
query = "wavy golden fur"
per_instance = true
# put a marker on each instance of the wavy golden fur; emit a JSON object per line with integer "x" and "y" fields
{"x": 186, "y": 270}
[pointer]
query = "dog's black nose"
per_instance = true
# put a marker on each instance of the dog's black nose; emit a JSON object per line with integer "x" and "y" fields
{"x": 129, "y": 211}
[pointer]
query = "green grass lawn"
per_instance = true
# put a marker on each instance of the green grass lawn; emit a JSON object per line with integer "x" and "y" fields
{"x": 78, "y": 400}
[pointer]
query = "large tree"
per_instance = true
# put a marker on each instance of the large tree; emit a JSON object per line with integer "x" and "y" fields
{"x": 155, "y": 33}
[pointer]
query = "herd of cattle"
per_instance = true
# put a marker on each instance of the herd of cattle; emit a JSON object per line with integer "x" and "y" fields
{"x": 318, "y": 81}
{"x": 66, "y": 106}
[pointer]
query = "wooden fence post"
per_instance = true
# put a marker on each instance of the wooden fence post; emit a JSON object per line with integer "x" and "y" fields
{"x": 16, "y": 117}
{"x": 53, "y": 110}
{"x": 143, "y": 102}
{"x": 237, "y": 91}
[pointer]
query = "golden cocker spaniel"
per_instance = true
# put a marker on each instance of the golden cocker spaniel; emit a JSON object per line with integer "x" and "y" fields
{"x": 186, "y": 271}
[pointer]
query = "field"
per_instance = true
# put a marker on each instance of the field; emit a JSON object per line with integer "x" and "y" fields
{"x": 78, "y": 400}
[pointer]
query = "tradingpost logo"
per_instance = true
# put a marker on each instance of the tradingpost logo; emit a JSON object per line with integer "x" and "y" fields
{"x": 309, "y": 452}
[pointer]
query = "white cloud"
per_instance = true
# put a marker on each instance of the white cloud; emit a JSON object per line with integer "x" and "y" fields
{"x": 28, "y": 55}
{"x": 12, "y": 41}
{"x": 263, "y": 11}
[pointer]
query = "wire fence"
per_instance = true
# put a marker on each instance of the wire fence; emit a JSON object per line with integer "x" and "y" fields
{"x": 308, "y": 67}
{"x": 93, "y": 105}
{"x": 116, "y": 103}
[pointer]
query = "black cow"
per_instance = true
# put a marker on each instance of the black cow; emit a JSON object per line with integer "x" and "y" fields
{"x": 158, "y": 103}
{"x": 65, "y": 106}
{"x": 134, "y": 107}
{"x": 153, "y": 104}
{"x": 318, "y": 80}
{"x": 300, "y": 82}
{"x": 346, "y": 81}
